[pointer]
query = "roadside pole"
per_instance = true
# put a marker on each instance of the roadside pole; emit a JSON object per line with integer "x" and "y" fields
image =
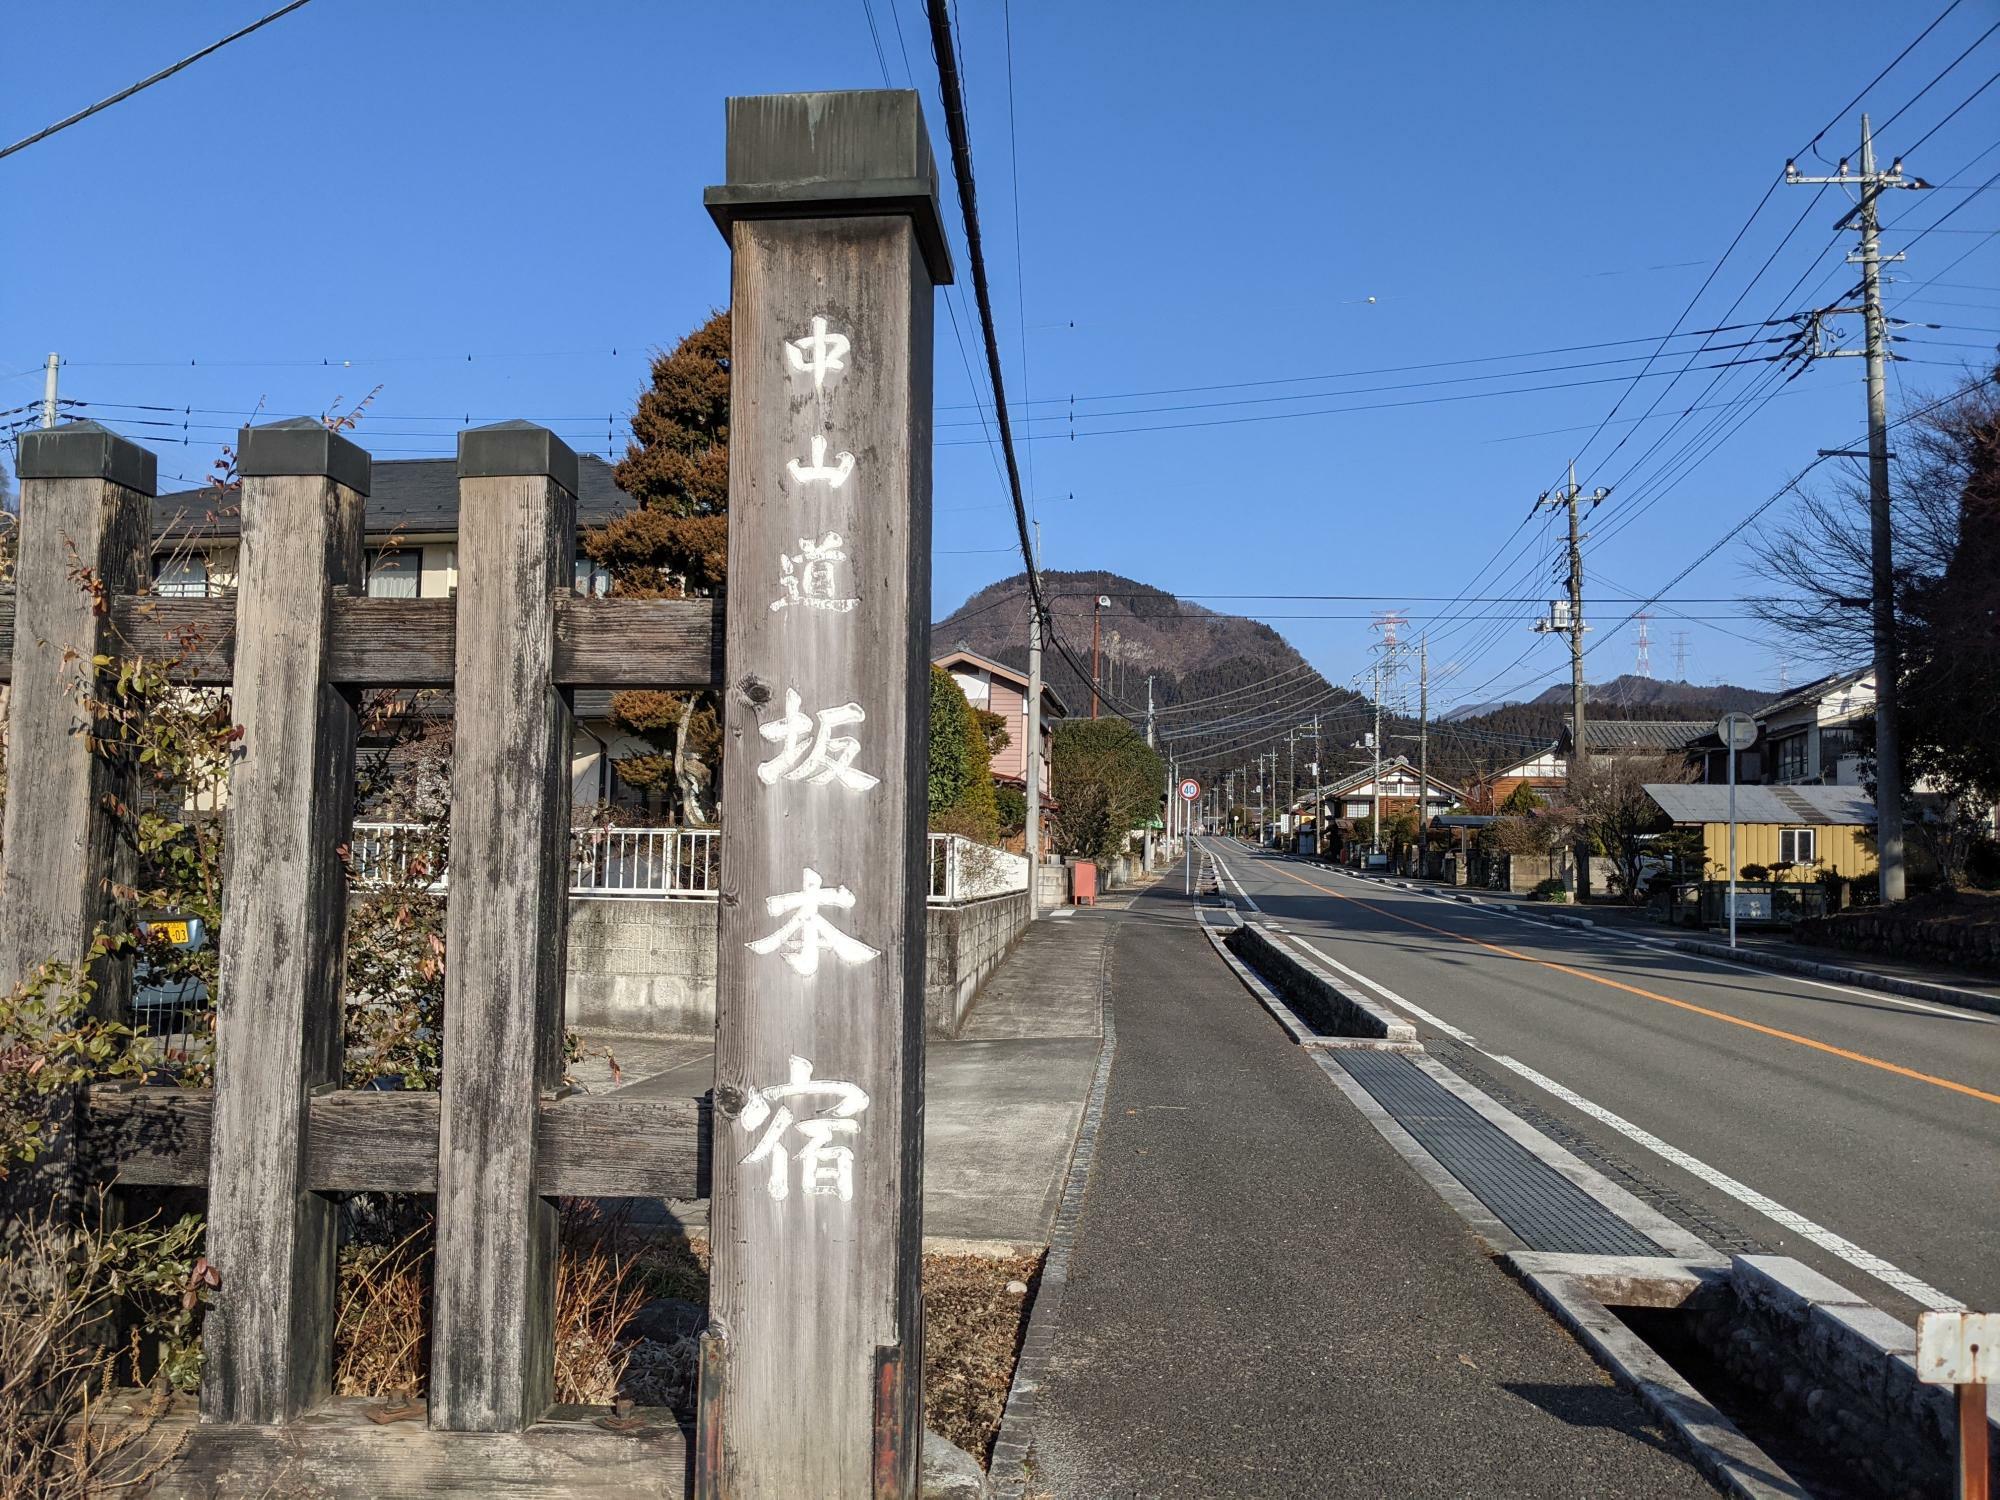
{"x": 1032, "y": 763}
{"x": 1738, "y": 732}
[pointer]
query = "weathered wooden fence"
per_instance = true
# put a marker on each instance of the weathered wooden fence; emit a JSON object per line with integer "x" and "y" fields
{"x": 811, "y": 1379}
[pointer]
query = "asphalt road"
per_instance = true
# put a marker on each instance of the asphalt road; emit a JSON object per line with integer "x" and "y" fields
{"x": 1264, "y": 1301}
{"x": 1854, "y": 1130}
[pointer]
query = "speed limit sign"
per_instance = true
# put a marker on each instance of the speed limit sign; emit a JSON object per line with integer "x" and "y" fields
{"x": 1190, "y": 789}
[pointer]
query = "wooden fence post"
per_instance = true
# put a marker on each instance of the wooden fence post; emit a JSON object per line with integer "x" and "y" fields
{"x": 493, "y": 1340}
{"x": 86, "y": 503}
{"x": 811, "y": 1379}
{"x": 269, "y": 1336}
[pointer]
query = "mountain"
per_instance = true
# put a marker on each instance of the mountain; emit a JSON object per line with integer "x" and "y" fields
{"x": 1629, "y": 691}
{"x": 1244, "y": 673}
{"x": 1226, "y": 689}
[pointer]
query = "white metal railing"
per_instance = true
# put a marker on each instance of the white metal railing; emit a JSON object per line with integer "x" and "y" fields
{"x": 963, "y": 869}
{"x": 683, "y": 863}
{"x": 380, "y": 852}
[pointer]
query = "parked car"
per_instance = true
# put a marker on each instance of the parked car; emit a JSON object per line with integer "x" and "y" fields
{"x": 161, "y": 999}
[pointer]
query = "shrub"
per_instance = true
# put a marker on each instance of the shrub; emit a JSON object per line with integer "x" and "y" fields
{"x": 1551, "y": 889}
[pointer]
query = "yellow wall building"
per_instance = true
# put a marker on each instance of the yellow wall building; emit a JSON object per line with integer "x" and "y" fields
{"x": 1815, "y": 829}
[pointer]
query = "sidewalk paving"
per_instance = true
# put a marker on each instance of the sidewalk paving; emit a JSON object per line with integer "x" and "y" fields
{"x": 1263, "y": 1299}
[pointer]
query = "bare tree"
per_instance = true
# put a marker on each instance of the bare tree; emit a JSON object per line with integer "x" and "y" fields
{"x": 1609, "y": 800}
{"x": 1816, "y": 551}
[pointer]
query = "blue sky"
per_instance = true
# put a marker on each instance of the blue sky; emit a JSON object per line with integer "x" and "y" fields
{"x": 367, "y": 192}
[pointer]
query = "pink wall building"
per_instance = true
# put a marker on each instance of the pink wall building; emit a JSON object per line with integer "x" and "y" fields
{"x": 999, "y": 689}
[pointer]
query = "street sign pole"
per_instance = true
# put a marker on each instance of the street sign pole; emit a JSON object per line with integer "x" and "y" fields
{"x": 1190, "y": 794}
{"x": 1738, "y": 732}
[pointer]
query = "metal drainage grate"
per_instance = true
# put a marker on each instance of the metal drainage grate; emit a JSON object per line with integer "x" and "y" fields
{"x": 1543, "y": 1207}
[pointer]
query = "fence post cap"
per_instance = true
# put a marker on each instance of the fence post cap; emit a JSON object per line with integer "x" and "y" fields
{"x": 505, "y": 450}
{"x": 845, "y": 153}
{"x": 299, "y": 445}
{"x": 88, "y": 450}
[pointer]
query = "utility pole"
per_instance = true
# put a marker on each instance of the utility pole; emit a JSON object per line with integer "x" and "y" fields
{"x": 1096, "y": 645}
{"x": 1375, "y": 829}
{"x": 1888, "y": 663}
{"x": 1319, "y": 796}
{"x": 1423, "y": 743}
{"x": 1032, "y": 843}
{"x": 1149, "y": 710}
{"x": 1570, "y": 621}
{"x": 49, "y": 391}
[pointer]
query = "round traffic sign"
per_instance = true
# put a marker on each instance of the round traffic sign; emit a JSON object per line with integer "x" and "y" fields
{"x": 1736, "y": 731}
{"x": 1190, "y": 789}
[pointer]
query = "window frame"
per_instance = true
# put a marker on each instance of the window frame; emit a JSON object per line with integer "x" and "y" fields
{"x": 1794, "y": 836}
{"x": 179, "y": 588}
{"x": 415, "y": 571}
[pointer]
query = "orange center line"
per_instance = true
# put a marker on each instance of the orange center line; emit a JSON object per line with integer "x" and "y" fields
{"x": 1633, "y": 989}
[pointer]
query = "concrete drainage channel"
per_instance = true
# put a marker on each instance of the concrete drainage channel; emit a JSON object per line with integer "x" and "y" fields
{"x": 1781, "y": 1382}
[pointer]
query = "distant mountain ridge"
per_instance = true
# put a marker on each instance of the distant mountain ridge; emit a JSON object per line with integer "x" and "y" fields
{"x": 1238, "y": 666}
{"x": 1246, "y": 687}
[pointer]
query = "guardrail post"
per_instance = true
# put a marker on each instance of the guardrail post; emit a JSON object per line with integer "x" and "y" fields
{"x": 811, "y": 1377}
{"x": 269, "y": 1337}
{"x": 493, "y": 1333}
{"x": 86, "y": 503}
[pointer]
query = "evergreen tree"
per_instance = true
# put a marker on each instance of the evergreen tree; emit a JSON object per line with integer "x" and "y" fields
{"x": 672, "y": 544}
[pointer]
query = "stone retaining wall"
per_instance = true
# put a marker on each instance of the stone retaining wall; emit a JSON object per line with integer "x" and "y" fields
{"x": 1892, "y": 935}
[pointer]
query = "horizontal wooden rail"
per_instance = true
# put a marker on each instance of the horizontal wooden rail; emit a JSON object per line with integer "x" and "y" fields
{"x": 589, "y": 1145}
{"x": 379, "y": 643}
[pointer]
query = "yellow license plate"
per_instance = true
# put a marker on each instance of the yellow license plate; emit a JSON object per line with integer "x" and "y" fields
{"x": 174, "y": 932}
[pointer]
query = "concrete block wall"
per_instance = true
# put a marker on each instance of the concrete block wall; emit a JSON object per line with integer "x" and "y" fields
{"x": 966, "y": 944}
{"x": 648, "y": 966}
{"x": 641, "y": 965}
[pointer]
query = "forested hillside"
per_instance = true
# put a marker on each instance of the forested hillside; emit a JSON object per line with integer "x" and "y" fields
{"x": 1226, "y": 688}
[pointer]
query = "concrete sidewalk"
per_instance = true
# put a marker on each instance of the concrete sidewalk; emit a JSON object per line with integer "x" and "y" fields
{"x": 1001, "y": 1104}
{"x": 1264, "y": 1300}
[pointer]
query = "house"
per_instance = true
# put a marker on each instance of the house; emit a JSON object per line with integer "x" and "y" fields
{"x": 1807, "y": 736}
{"x": 1546, "y": 773}
{"x": 999, "y": 689}
{"x": 1813, "y": 829}
{"x": 411, "y": 535}
{"x": 1652, "y": 738}
{"x": 1353, "y": 796}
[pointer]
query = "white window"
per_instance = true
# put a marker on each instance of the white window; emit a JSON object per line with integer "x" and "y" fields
{"x": 1797, "y": 846}
{"x": 395, "y": 573}
{"x": 1359, "y": 809}
{"x": 181, "y": 577}
{"x": 593, "y": 580}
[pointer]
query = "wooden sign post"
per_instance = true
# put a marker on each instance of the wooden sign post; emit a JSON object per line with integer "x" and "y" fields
{"x": 811, "y": 1373}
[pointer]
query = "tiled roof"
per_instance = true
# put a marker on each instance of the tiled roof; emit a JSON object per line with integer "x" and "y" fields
{"x": 1644, "y": 734}
{"x": 415, "y": 496}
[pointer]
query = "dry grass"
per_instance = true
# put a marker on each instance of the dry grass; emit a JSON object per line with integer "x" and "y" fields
{"x": 58, "y": 1437}
{"x": 604, "y": 1274}
{"x": 599, "y": 1287}
{"x": 972, "y": 1332}
{"x": 381, "y": 1332}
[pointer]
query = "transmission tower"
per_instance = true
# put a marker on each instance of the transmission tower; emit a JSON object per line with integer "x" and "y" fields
{"x": 1644, "y": 665}
{"x": 1680, "y": 656}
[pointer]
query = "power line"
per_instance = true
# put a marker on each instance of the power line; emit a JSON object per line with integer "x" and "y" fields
{"x": 944, "y": 51}
{"x": 146, "y": 83}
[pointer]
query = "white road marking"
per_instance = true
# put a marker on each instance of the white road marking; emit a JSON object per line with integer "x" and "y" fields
{"x": 1886, "y": 1272}
{"x": 1958, "y": 1012}
{"x": 1797, "y": 1223}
